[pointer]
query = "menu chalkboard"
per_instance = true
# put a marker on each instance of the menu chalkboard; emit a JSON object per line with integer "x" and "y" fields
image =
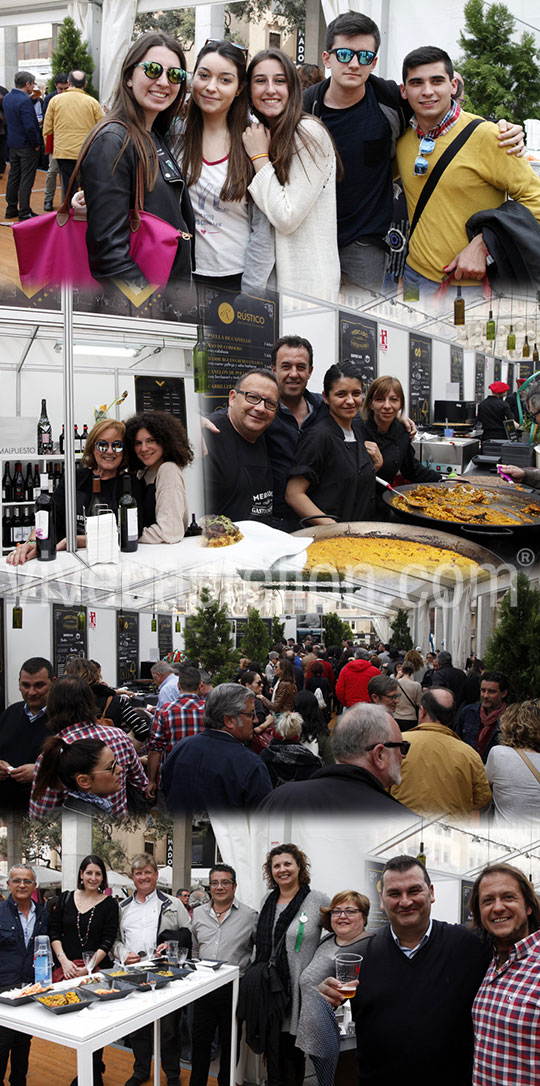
{"x": 510, "y": 376}
{"x": 240, "y": 332}
{"x": 358, "y": 343}
{"x": 241, "y": 624}
{"x": 526, "y": 368}
{"x": 127, "y": 646}
{"x": 67, "y": 639}
{"x": 497, "y": 369}
{"x": 164, "y": 633}
{"x": 466, "y": 891}
{"x": 479, "y": 376}
{"x": 161, "y": 394}
{"x": 456, "y": 367}
{"x": 419, "y": 378}
{"x": 372, "y": 882}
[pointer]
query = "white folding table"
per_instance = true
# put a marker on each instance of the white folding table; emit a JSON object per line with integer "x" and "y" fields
{"x": 101, "y": 1022}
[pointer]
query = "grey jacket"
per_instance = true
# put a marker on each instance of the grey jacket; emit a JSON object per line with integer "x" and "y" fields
{"x": 172, "y": 916}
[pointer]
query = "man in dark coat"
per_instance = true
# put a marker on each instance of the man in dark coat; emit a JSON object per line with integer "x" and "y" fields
{"x": 368, "y": 748}
{"x": 20, "y": 921}
{"x": 452, "y": 678}
{"x": 23, "y": 729}
{"x": 24, "y": 141}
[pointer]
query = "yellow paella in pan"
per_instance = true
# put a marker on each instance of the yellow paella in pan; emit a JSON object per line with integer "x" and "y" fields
{"x": 468, "y": 504}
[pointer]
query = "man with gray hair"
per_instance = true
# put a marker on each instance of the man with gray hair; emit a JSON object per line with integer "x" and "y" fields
{"x": 384, "y": 690}
{"x": 214, "y": 770}
{"x": 166, "y": 680}
{"x": 238, "y": 473}
{"x": 368, "y": 748}
{"x": 21, "y": 919}
{"x": 69, "y": 119}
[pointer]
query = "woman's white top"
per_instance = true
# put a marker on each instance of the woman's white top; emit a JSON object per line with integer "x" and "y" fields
{"x": 303, "y": 213}
{"x": 516, "y": 792}
{"x": 221, "y": 226}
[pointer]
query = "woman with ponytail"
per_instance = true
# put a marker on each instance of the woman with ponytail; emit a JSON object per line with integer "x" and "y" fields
{"x": 87, "y": 768}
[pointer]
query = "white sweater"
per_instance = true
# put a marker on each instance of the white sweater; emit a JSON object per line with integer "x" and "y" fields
{"x": 171, "y": 504}
{"x": 303, "y": 213}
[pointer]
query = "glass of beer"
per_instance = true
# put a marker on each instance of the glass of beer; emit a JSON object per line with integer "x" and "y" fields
{"x": 347, "y": 972}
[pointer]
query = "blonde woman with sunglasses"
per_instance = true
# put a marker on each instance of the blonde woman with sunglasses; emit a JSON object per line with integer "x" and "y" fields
{"x": 104, "y": 455}
{"x": 147, "y": 101}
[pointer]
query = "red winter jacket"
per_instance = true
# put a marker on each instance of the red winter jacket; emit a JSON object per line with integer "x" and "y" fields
{"x": 352, "y": 684}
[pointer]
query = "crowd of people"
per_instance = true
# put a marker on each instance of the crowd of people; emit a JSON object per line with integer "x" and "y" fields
{"x": 345, "y": 729}
{"x": 477, "y": 984}
{"x": 267, "y": 184}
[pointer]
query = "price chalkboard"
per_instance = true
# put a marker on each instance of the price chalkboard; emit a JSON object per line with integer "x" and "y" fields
{"x": 466, "y": 891}
{"x": 497, "y": 369}
{"x": 358, "y": 343}
{"x": 479, "y": 376}
{"x": 511, "y": 376}
{"x": 161, "y": 394}
{"x": 67, "y": 639}
{"x": 127, "y": 646}
{"x": 456, "y": 367}
{"x": 164, "y": 633}
{"x": 240, "y": 332}
{"x": 419, "y": 378}
{"x": 372, "y": 881}
{"x": 526, "y": 369}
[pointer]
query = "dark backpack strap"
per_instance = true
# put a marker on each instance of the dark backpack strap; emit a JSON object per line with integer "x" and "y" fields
{"x": 439, "y": 169}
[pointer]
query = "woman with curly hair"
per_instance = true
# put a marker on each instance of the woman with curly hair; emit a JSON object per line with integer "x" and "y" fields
{"x": 158, "y": 450}
{"x": 288, "y": 933}
{"x": 513, "y": 766}
{"x": 134, "y": 137}
{"x": 295, "y": 177}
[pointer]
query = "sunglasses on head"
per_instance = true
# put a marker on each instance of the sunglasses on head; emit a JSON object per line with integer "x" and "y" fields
{"x": 153, "y": 69}
{"x": 226, "y": 41}
{"x": 364, "y": 56}
{"x": 104, "y": 446}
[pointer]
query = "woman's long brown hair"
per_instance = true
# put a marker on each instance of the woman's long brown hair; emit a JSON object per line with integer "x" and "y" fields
{"x": 284, "y": 130}
{"x": 127, "y": 110}
{"x": 239, "y": 167}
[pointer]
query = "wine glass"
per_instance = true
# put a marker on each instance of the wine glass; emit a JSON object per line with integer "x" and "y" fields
{"x": 182, "y": 955}
{"x": 89, "y": 959}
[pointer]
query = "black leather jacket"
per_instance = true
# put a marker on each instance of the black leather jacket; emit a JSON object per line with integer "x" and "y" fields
{"x": 109, "y": 192}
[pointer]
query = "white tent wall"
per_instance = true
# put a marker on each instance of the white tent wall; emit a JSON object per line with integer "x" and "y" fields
{"x": 320, "y": 328}
{"x": 118, "y": 17}
{"x": 35, "y": 639}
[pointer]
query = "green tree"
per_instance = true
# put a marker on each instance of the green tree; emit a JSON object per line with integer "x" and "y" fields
{"x": 278, "y": 629}
{"x": 401, "y": 634}
{"x": 179, "y": 22}
{"x": 347, "y": 632}
{"x": 512, "y": 646}
{"x": 293, "y": 11}
{"x": 255, "y": 643}
{"x": 208, "y": 635}
{"x": 333, "y": 629}
{"x": 502, "y": 75}
{"x": 71, "y": 55}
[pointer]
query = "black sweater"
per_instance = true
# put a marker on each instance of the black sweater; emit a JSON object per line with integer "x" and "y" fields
{"x": 20, "y": 742}
{"x": 98, "y": 931}
{"x": 413, "y": 1015}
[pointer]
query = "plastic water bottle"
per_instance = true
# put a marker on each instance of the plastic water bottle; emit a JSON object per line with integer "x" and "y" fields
{"x": 42, "y": 960}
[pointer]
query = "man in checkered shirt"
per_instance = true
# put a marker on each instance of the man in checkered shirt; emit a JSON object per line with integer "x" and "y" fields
{"x": 182, "y": 717}
{"x": 506, "y": 1011}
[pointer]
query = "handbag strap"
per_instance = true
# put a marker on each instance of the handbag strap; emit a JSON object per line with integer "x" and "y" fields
{"x": 403, "y": 691}
{"x": 62, "y": 214}
{"x": 439, "y": 169}
{"x": 528, "y": 763}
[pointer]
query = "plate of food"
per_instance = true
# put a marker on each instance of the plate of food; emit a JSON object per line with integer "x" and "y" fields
{"x": 62, "y": 1002}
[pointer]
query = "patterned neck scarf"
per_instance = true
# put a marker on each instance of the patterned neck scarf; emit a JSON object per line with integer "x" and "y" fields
{"x": 445, "y": 125}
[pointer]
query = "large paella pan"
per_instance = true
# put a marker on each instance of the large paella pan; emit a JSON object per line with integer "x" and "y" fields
{"x": 479, "y": 505}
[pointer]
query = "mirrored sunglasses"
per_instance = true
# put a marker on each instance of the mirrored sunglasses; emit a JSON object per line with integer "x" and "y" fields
{"x": 364, "y": 56}
{"x": 153, "y": 69}
{"x": 421, "y": 164}
{"x": 104, "y": 446}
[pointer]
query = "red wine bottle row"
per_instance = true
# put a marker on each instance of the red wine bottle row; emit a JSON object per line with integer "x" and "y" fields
{"x": 79, "y": 439}
{"x": 17, "y": 524}
{"x": 25, "y": 487}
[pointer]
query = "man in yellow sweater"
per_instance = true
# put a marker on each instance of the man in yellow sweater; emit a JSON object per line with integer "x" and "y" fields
{"x": 70, "y": 117}
{"x": 479, "y": 177}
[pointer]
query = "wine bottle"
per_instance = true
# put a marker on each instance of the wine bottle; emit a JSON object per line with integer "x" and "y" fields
{"x": 27, "y": 522}
{"x": 76, "y": 439}
{"x": 128, "y": 517}
{"x": 16, "y": 527}
{"x": 36, "y": 484}
{"x": 95, "y": 500}
{"x": 526, "y": 352}
{"x": 490, "y": 328}
{"x": 29, "y": 484}
{"x": 7, "y": 485}
{"x": 45, "y": 523}
{"x": 61, "y": 440}
{"x": 193, "y": 528}
{"x": 6, "y": 528}
{"x": 84, "y": 436}
{"x": 535, "y": 355}
{"x": 57, "y": 475}
{"x": 200, "y": 362}
{"x": 511, "y": 339}
{"x": 18, "y": 485}
{"x": 44, "y": 432}
{"x": 50, "y": 475}
{"x": 459, "y": 308}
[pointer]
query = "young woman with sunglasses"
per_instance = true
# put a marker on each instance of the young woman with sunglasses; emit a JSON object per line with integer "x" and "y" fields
{"x": 104, "y": 455}
{"x": 295, "y": 177}
{"x": 158, "y": 451}
{"x": 234, "y": 244}
{"x": 147, "y": 101}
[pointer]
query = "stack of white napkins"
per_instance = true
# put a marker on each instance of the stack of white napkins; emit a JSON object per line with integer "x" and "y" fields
{"x": 102, "y": 539}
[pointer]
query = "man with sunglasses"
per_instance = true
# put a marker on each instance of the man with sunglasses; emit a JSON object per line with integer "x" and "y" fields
{"x": 238, "y": 472}
{"x": 69, "y": 119}
{"x": 478, "y": 179}
{"x": 369, "y": 749}
{"x": 441, "y": 774}
{"x": 417, "y": 984}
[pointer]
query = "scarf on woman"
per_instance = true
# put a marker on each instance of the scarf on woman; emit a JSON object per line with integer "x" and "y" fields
{"x": 270, "y": 940}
